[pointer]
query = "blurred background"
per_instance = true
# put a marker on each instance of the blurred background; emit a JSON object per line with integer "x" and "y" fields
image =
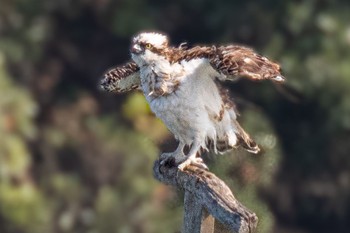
{"x": 75, "y": 159}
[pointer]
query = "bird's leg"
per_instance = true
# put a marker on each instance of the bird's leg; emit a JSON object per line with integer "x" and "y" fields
{"x": 193, "y": 159}
{"x": 178, "y": 154}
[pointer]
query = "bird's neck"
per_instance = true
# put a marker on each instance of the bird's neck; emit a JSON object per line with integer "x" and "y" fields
{"x": 160, "y": 77}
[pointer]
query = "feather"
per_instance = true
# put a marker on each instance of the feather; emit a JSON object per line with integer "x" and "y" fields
{"x": 236, "y": 61}
{"x": 122, "y": 79}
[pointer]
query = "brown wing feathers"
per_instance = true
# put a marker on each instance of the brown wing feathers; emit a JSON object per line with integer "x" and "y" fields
{"x": 121, "y": 79}
{"x": 244, "y": 62}
{"x": 236, "y": 61}
{"x": 232, "y": 60}
{"x": 198, "y": 52}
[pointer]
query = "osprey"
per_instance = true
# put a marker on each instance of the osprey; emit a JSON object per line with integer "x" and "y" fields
{"x": 182, "y": 88}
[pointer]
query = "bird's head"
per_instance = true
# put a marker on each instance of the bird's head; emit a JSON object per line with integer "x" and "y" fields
{"x": 148, "y": 46}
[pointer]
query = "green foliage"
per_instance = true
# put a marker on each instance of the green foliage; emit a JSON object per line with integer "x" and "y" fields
{"x": 22, "y": 202}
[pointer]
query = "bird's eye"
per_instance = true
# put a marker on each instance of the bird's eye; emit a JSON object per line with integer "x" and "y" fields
{"x": 148, "y": 46}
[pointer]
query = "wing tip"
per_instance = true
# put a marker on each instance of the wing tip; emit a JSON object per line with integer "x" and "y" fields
{"x": 279, "y": 79}
{"x": 106, "y": 85}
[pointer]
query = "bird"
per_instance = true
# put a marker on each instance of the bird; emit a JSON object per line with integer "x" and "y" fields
{"x": 183, "y": 87}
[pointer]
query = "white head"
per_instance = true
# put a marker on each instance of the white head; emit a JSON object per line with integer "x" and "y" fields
{"x": 148, "y": 46}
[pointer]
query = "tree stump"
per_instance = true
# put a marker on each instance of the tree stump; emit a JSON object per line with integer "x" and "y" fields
{"x": 206, "y": 197}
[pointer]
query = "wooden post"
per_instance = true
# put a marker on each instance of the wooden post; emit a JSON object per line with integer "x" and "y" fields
{"x": 206, "y": 197}
{"x": 192, "y": 214}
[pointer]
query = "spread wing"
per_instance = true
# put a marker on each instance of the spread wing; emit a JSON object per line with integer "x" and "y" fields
{"x": 237, "y": 61}
{"x": 122, "y": 79}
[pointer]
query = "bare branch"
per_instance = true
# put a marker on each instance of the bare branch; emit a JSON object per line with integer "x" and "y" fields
{"x": 205, "y": 190}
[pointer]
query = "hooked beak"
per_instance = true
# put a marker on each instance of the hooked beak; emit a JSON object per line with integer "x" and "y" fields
{"x": 136, "y": 49}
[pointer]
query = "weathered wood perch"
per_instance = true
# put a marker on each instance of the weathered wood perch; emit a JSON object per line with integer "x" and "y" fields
{"x": 206, "y": 196}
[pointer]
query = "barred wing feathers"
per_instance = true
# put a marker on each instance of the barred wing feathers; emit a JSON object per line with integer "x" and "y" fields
{"x": 122, "y": 79}
{"x": 237, "y": 61}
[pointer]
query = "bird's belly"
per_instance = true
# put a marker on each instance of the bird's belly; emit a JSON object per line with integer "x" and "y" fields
{"x": 181, "y": 117}
{"x": 185, "y": 114}
{"x": 186, "y": 111}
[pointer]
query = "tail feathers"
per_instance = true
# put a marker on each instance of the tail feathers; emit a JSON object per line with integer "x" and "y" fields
{"x": 249, "y": 145}
{"x": 224, "y": 144}
{"x": 244, "y": 140}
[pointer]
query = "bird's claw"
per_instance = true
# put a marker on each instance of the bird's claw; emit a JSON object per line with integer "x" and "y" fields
{"x": 195, "y": 161}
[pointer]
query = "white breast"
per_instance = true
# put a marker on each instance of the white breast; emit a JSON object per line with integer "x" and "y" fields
{"x": 186, "y": 111}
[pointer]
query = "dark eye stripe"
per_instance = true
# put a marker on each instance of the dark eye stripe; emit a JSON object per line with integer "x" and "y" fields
{"x": 144, "y": 44}
{"x": 152, "y": 48}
